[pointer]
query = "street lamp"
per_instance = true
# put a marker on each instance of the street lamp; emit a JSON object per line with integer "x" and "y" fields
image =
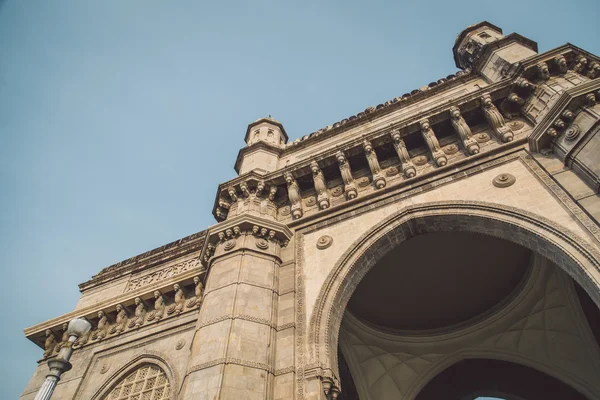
{"x": 78, "y": 327}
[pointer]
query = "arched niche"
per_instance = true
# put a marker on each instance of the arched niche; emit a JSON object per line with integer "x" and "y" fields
{"x": 146, "y": 374}
{"x": 471, "y": 378}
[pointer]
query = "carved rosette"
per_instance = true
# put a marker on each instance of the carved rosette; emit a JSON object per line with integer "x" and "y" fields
{"x": 504, "y": 180}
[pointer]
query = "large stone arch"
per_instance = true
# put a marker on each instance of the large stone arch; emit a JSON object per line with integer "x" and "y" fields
{"x": 570, "y": 252}
{"x": 517, "y": 377}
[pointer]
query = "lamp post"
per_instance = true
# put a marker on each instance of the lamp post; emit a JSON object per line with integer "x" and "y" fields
{"x": 77, "y": 328}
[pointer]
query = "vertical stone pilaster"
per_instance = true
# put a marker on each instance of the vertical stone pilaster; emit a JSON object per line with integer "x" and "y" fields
{"x": 233, "y": 351}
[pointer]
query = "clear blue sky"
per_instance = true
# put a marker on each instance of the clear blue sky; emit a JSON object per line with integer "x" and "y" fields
{"x": 120, "y": 118}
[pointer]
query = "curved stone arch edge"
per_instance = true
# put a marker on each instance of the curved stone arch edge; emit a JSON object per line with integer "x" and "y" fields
{"x": 584, "y": 259}
{"x": 148, "y": 357}
{"x": 488, "y": 354}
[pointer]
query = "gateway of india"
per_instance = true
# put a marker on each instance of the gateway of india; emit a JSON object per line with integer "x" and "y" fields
{"x": 444, "y": 244}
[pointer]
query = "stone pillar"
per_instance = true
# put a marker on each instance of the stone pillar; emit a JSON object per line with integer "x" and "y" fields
{"x": 233, "y": 349}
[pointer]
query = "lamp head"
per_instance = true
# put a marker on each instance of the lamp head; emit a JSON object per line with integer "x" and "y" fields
{"x": 79, "y": 327}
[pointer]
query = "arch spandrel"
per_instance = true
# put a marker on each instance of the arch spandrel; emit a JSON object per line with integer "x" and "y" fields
{"x": 574, "y": 254}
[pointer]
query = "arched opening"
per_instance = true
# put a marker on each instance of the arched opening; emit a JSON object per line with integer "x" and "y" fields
{"x": 479, "y": 378}
{"x": 147, "y": 381}
{"x": 435, "y": 275}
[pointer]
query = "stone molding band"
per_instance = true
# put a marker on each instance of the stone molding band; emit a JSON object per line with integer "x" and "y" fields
{"x": 249, "y": 318}
{"x": 234, "y": 361}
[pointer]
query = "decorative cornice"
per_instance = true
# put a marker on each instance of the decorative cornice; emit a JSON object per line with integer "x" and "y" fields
{"x": 148, "y": 259}
{"x": 538, "y": 139}
{"x": 231, "y": 360}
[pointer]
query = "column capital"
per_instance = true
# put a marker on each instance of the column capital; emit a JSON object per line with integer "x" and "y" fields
{"x": 246, "y": 231}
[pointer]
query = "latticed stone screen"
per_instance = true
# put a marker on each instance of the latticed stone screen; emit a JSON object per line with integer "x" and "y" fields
{"x": 147, "y": 382}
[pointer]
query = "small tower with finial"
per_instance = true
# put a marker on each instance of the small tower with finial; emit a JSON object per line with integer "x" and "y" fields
{"x": 482, "y": 47}
{"x": 265, "y": 139}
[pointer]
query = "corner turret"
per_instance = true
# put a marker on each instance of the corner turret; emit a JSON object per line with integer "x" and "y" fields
{"x": 265, "y": 138}
{"x": 482, "y": 47}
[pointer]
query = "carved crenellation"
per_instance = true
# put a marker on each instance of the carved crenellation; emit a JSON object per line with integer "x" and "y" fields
{"x": 347, "y": 178}
{"x": 320, "y": 186}
{"x": 463, "y": 131}
{"x": 495, "y": 119}
{"x": 432, "y": 143}
{"x": 294, "y": 195}
{"x": 378, "y": 178}
{"x": 407, "y": 166}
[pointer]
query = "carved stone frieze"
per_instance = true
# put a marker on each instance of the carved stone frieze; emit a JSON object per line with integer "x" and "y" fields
{"x": 162, "y": 274}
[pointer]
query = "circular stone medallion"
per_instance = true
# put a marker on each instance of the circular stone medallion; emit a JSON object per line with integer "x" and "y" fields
{"x": 285, "y": 211}
{"x": 337, "y": 191}
{"x": 229, "y": 244}
{"x": 450, "y": 149}
{"x": 262, "y": 243}
{"x": 482, "y": 137}
{"x": 420, "y": 160}
{"x": 572, "y": 132}
{"x": 391, "y": 171}
{"x": 179, "y": 345}
{"x": 516, "y": 125}
{"x": 504, "y": 180}
{"x": 324, "y": 242}
{"x": 311, "y": 201}
{"x": 104, "y": 369}
{"x": 363, "y": 182}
